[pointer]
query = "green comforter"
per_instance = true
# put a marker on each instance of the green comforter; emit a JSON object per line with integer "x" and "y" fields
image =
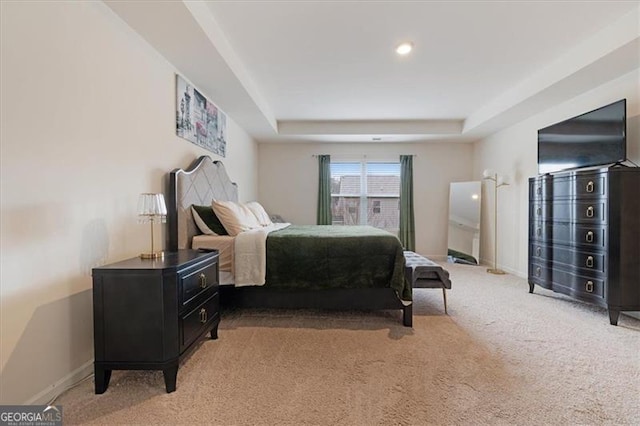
{"x": 323, "y": 257}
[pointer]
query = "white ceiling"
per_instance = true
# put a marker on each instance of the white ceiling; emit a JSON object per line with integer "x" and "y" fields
{"x": 327, "y": 70}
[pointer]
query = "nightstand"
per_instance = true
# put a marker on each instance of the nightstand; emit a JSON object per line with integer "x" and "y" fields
{"x": 147, "y": 314}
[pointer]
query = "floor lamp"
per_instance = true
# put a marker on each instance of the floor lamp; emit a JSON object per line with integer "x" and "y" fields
{"x": 498, "y": 181}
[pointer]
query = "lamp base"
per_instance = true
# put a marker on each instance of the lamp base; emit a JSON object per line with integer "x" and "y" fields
{"x": 155, "y": 255}
{"x": 496, "y": 271}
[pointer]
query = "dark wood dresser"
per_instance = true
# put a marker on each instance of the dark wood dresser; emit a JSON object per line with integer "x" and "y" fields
{"x": 148, "y": 313}
{"x": 584, "y": 236}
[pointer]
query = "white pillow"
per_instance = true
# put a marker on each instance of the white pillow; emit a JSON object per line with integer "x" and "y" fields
{"x": 260, "y": 213}
{"x": 235, "y": 217}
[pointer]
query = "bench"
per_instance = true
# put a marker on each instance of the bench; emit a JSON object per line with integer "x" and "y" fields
{"x": 424, "y": 273}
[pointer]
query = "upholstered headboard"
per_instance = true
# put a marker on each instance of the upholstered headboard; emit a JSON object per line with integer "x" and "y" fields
{"x": 202, "y": 182}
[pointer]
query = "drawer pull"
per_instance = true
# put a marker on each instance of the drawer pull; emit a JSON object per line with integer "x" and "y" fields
{"x": 538, "y": 251}
{"x": 538, "y": 271}
{"x": 590, "y": 186}
{"x": 589, "y": 287}
{"x": 538, "y": 231}
{"x": 590, "y": 262}
{"x": 539, "y": 190}
{"x": 589, "y": 237}
{"x": 590, "y": 211}
{"x": 203, "y": 281}
{"x": 203, "y": 315}
{"x": 539, "y": 211}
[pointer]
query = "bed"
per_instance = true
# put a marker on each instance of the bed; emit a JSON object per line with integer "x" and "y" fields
{"x": 317, "y": 267}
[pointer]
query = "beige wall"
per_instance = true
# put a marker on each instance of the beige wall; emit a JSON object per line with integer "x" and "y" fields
{"x": 87, "y": 125}
{"x": 513, "y": 151}
{"x": 288, "y": 181}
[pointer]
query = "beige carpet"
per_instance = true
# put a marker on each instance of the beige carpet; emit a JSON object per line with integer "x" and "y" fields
{"x": 501, "y": 356}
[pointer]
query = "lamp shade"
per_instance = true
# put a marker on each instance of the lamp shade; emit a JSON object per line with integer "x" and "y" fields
{"x": 151, "y": 205}
{"x": 488, "y": 173}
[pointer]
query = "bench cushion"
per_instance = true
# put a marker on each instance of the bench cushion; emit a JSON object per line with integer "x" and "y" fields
{"x": 424, "y": 273}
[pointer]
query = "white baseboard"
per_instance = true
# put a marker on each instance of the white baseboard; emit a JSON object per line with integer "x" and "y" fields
{"x": 46, "y": 395}
{"x": 633, "y": 314}
{"x": 489, "y": 264}
{"x": 516, "y": 273}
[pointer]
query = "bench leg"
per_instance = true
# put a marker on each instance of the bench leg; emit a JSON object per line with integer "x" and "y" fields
{"x": 444, "y": 296}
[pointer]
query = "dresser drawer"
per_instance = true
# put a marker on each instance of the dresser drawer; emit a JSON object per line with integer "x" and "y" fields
{"x": 592, "y": 212}
{"x": 590, "y": 186}
{"x": 591, "y": 236}
{"x": 193, "y": 323}
{"x": 539, "y": 188}
{"x": 582, "y": 211}
{"x": 582, "y": 186}
{"x": 197, "y": 280}
{"x": 539, "y": 274}
{"x": 577, "y": 285}
{"x": 547, "y": 232}
{"x": 575, "y": 260}
{"x": 540, "y": 210}
{"x": 540, "y": 231}
{"x": 562, "y": 187}
{"x": 539, "y": 252}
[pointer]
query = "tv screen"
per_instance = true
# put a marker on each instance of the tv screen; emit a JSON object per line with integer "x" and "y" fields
{"x": 595, "y": 138}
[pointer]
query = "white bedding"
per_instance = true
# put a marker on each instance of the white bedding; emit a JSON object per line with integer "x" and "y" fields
{"x": 243, "y": 258}
{"x": 250, "y": 255}
{"x": 225, "y": 246}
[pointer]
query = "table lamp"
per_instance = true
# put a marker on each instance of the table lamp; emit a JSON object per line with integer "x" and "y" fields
{"x": 152, "y": 208}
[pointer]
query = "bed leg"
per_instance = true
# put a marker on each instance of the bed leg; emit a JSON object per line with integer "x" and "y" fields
{"x": 407, "y": 315}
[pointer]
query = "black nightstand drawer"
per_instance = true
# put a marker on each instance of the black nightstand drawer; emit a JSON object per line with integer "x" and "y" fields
{"x": 192, "y": 324}
{"x": 196, "y": 281}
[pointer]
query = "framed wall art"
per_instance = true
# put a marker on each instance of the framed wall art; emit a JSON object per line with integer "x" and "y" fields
{"x": 199, "y": 120}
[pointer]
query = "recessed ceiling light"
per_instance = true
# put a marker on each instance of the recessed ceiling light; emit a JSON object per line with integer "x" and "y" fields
{"x": 474, "y": 196}
{"x": 404, "y": 48}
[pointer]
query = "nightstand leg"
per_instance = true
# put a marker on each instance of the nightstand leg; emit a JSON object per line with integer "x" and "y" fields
{"x": 101, "y": 377}
{"x": 531, "y": 286}
{"x": 170, "y": 378}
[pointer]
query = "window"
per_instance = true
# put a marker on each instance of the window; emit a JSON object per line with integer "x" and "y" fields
{"x": 366, "y": 194}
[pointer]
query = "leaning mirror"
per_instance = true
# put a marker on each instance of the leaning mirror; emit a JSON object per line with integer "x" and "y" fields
{"x": 464, "y": 222}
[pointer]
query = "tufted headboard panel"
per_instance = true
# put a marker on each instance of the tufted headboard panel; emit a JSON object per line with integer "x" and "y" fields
{"x": 202, "y": 182}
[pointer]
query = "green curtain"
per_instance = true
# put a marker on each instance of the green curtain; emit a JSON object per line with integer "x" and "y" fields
{"x": 324, "y": 190}
{"x": 407, "y": 222}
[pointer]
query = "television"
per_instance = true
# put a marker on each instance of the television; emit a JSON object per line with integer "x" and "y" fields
{"x": 594, "y": 138}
